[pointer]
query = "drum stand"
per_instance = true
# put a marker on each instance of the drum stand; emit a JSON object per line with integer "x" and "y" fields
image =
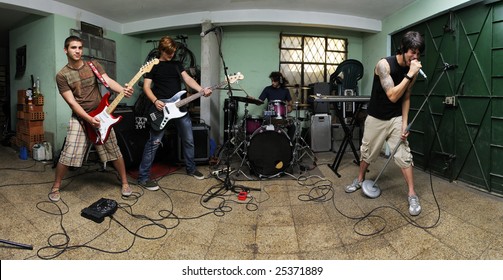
{"x": 227, "y": 184}
{"x": 244, "y": 142}
{"x": 300, "y": 148}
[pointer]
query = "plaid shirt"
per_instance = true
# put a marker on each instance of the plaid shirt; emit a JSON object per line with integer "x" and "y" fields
{"x": 82, "y": 83}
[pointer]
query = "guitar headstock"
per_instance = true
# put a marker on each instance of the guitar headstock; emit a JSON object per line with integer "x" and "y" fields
{"x": 234, "y": 78}
{"x": 149, "y": 65}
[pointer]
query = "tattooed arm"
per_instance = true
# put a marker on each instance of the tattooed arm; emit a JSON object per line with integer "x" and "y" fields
{"x": 394, "y": 92}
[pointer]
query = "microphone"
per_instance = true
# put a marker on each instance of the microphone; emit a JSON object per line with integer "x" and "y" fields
{"x": 422, "y": 73}
{"x": 204, "y": 33}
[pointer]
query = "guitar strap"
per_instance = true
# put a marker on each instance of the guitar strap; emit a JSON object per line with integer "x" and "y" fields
{"x": 98, "y": 75}
{"x": 103, "y": 82}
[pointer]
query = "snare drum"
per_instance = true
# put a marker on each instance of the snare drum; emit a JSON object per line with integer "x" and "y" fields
{"x": 252, "y": 124}
{"x": 279, "y": 108}
{"x": 270, "y": 151}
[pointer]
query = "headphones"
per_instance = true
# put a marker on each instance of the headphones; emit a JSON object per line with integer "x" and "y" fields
{"x": 277, "y": 77}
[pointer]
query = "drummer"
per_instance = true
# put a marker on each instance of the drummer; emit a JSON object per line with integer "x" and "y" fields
{"x": 277, "y": 90}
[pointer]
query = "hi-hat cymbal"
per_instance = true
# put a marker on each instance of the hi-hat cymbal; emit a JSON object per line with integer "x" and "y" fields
{"x": 247, "y": 99}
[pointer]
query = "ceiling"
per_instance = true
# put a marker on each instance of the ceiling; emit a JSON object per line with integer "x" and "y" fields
{"x": 127, "y": 11}
{"x": 124, "y": 11}
{"x": 10, "y": 18}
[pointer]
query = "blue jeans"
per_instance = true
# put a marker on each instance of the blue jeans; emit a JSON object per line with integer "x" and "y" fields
{"x": 184, "y": 128}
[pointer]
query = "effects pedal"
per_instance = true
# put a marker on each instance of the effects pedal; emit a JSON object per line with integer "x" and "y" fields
{"x": 99, "y": 210}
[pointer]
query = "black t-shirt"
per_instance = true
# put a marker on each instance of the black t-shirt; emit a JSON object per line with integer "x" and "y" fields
{"x": 271, "y": 93}
{"x": 166, "y": 78}
{"x": 380, "y": 106}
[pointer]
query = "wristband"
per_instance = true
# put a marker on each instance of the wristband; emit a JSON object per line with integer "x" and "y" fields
{"x": 156, "y": 101}
{"x": 408, "y": 77}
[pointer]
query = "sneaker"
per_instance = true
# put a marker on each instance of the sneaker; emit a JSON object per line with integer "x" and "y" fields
{"x": 196, "y": 174}
{"x": 414, "y": 206}
{"x": 54, "y": 195}
{"x": 354, "y": 186}
{"x": 150, "y": 185}
{"x": 126, "y": 190}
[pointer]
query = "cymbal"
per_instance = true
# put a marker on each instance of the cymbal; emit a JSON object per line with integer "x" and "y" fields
{"x": 299, "y": 87}
{"x": 247, "y": 99}
{"x": 226, "y": 88}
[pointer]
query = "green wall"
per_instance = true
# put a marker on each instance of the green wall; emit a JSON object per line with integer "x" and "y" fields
{"x": 38, "y": 37}
{"x": 377, "y": 46}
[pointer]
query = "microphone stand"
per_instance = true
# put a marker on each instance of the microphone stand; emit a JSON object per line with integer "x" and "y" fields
{"x": 226, "y": 184}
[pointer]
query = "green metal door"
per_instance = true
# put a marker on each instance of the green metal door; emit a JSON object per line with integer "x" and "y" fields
{"x": 458, "y": 134}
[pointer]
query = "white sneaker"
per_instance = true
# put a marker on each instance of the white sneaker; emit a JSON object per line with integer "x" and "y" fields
{"x": 354, "y": 186}
{"x": 414, "y": 206}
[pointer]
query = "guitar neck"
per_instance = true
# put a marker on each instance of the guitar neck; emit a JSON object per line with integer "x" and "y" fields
{"x": 119, "y": 97}
{"x": 195, "y": 96}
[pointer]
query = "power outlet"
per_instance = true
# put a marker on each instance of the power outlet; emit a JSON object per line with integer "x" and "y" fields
{"x": 450, "y": 100}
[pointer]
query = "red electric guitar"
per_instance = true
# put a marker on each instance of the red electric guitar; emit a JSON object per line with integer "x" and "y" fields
{"x": 104, "y": 111}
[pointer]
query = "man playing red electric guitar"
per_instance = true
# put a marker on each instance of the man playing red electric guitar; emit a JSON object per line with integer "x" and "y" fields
{"x": 77, "y": 84}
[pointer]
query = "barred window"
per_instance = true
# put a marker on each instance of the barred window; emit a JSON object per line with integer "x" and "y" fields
{"x": 305, "y": 60}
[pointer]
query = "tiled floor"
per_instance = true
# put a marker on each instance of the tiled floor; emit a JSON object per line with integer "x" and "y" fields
{"x": 312, "y": 218}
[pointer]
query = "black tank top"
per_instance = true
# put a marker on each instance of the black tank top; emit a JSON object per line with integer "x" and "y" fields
{"x": 380, "y": 106}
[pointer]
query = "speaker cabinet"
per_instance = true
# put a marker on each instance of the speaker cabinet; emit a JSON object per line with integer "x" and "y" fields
{"x": 201, "y": 134}
{"x": 131, "y": 143}
{"x": 127, "y": 121}
{"x": 323, "y": 89}
{"x": 321, "y": 133}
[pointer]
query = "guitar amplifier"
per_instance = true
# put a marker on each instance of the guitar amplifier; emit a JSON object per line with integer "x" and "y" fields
{"x": 127, "y": 121}
{"x": 132, "y": 143}
{"x": 201, "y": 134}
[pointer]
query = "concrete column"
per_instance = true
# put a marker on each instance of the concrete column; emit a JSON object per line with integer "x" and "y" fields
{"x": 211, "y": 110}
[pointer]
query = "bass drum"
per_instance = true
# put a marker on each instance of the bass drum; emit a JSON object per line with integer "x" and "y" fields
{"x": 270, "y": 151}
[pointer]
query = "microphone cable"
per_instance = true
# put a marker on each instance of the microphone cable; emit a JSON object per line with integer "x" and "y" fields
{"x": 322, "y": 190}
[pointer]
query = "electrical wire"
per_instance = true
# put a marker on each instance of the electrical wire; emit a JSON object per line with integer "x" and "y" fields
{"x": 322, "y": 190}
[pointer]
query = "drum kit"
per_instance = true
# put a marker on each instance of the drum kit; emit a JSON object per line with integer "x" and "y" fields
{"x": 268, "y": 144}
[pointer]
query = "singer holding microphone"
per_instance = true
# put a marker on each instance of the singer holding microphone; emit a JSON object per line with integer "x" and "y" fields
{"x": 388, "y": 112}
